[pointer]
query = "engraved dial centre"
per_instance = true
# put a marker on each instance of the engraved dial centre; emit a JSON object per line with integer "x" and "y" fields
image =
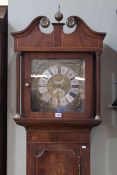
{"x": 58, "y": 85}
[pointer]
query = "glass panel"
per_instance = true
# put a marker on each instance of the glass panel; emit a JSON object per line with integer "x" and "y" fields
{"x": 57, "y": 85}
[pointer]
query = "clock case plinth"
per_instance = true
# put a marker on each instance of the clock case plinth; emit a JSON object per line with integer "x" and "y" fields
{"x": 58, "y": 145}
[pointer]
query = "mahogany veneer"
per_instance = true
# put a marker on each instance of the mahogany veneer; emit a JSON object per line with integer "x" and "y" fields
{"x": 58, "y": 146}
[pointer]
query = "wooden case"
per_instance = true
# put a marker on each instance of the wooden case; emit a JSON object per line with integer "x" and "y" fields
{"x": 58, "y": 146}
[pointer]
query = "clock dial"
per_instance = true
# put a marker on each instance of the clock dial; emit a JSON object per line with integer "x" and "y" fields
{"x": 57, "y": 89}
{"x": 57, "y": 86}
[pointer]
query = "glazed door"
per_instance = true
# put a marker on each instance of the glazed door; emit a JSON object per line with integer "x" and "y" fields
{"x": 53, "y": 85}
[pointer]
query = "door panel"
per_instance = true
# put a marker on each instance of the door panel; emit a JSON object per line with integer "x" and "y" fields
{"x": 56, "y": 162}
{"x": 58, "y": 159}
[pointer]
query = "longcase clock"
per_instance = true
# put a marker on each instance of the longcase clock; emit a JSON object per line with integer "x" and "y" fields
{"x": 58, "y": 94}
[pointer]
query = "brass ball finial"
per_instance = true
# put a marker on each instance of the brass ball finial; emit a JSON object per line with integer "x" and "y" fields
{"x": 71, "y": 22}
{"x": 45, "y": 22}
{"x": 58, "y": 16}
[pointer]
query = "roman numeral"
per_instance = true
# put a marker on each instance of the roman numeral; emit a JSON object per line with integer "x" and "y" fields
{"x": 45, "y": 78}
{"x": 72, "y": 78}
{"x": 67, "y": 72}
{"x": 75, "y": 86}
{"x": 72, "y": 94}
{"x": 67, "y": 100}
{"x": 50, "y": 71}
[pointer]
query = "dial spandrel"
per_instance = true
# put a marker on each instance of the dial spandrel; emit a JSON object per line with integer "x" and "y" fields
{"x": 64, "y": 70}
{"x": 57, "y": 85}
{"x": 70, "y": 74}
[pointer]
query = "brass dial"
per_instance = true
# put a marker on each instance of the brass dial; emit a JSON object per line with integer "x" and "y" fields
{"x": 58, "y": 86}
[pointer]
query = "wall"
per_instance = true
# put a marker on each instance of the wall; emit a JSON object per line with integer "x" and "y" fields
{"x": 3, "y": 2}
{"x": 100, "y": 16}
